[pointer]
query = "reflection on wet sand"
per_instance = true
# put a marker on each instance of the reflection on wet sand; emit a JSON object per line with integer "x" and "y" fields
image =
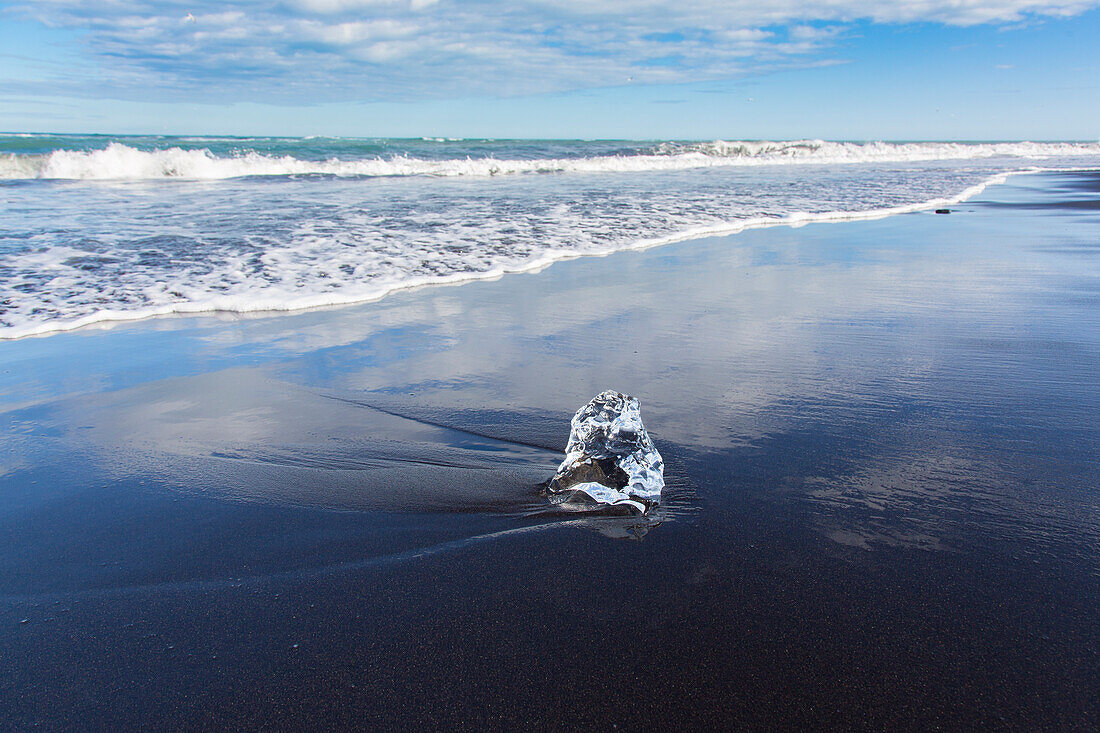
{"x": 457, "y": 399}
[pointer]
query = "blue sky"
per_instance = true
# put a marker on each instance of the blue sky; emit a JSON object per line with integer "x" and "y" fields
{"x": 836, "y": 69}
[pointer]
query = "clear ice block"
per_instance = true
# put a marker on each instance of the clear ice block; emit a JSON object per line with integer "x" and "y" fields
{"x": 610, "y": 458}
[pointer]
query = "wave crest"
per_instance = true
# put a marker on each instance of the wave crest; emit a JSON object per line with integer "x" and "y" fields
{"x": 122, "y": 162}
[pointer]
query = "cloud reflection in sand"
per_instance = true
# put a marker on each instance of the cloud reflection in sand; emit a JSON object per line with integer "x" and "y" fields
{"x": 901, "y": 345}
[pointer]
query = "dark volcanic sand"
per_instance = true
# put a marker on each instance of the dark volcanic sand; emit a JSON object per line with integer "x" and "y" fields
{"x": 883, "y": 506}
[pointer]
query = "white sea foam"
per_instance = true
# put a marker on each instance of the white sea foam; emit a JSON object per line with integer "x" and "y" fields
{"x": 316, "y": 268}
{"x": 122, "y": 162}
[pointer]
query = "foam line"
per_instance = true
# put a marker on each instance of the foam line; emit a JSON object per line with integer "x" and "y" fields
{"x": 122, "y": 162}
{"x": 276, "y": 301}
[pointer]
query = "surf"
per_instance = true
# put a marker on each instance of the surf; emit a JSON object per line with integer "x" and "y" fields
{"x": 119, "y": 161}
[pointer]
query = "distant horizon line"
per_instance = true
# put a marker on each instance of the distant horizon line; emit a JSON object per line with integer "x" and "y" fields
{"x": 506, "y": 138}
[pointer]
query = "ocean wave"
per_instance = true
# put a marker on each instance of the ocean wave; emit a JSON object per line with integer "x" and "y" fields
{"x": 121, "y": 162}
{"x": 304, "y": 269}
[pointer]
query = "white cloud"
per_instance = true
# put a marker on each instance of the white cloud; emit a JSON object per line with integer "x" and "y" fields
{"x": 812, "y": 33}
{"x": 344, "y": 6}
{"x": 319, "y": 50}
{"x": 357, "y": 32}
{"x": 753, "y": 12}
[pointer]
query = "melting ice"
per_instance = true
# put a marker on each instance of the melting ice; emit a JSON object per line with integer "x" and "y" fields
{"x": 610, "y": 459}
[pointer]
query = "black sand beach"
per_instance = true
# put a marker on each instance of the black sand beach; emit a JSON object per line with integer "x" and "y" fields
{"x": 883, "y": 501}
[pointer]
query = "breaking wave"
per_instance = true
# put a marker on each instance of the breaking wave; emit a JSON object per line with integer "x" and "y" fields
{"x": 303, "y": 281}
{"x": 118, "y": 161}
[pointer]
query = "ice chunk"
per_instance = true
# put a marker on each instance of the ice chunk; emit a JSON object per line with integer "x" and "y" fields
{"x": 610, "y": 459}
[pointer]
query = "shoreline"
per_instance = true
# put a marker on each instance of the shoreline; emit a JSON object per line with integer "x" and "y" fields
{"x": 107, "y": 319}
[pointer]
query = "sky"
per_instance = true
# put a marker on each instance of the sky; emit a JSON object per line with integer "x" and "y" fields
{"x": 653, "y": 69}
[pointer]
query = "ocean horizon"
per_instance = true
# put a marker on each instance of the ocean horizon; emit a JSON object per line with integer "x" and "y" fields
{"x": 550, "y": 365}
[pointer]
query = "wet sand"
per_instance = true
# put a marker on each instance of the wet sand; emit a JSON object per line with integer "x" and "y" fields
{"x": 882, "y": 505}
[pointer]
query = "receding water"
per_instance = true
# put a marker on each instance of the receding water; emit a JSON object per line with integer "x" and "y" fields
{"x": 97, "y": 229}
